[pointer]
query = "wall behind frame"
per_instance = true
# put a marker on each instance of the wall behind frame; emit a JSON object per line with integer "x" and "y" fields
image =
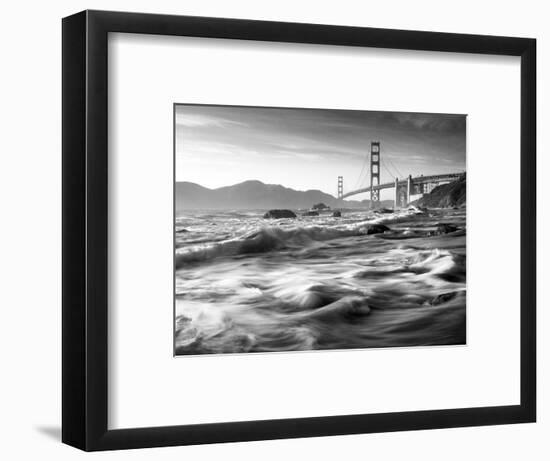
{"x": 30, "y": 188}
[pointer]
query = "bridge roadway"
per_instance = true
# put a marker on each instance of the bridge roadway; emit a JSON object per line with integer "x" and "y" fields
{"x": 436, "y": 178}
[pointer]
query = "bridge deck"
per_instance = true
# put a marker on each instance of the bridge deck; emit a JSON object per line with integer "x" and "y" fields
{"x": 403, "y": 182}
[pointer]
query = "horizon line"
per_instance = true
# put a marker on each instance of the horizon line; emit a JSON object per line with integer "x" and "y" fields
{"x": 286, "y": 187}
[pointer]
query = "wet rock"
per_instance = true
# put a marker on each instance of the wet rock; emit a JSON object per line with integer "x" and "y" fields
{"x": 320, "y": 206}
{"x": 444, "y": 297}
{"x": 377, "y": 229}
{"x": 278, "y": 214}
{"x": 337, "y": 214}
{"x": 311, "y": 213}
{"x": 445, "y": 229}
{"x": 384, "y": 210}
{"x": 417, "y": 209}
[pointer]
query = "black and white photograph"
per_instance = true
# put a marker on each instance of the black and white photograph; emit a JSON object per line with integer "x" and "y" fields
{"x": 275, "y": 231}
{"x": 315, "y": 229}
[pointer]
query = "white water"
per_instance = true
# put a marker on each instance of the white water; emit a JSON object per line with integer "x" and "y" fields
{"x": 246, "y": 284}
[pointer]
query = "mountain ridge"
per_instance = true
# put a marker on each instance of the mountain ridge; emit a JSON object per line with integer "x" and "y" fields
{"x": 254, "y": 194}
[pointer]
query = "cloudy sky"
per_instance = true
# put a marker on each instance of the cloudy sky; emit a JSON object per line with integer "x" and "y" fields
{"x": 308, "y": 149}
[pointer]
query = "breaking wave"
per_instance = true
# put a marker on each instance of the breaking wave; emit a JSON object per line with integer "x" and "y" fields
{"x": 280, "y": 238}
{"x": 320, "y": 283}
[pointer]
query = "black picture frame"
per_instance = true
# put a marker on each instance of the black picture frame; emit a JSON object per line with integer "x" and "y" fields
{"x": 85, "y": 222}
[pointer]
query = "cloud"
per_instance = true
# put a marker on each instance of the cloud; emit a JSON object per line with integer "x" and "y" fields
{"x": 191, "y": 120}
{"x": 440, "y": 123}
{"x": 310, "y": 147}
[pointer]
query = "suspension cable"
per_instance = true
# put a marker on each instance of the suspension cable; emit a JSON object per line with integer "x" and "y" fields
{"x": 396, "y": 169}
{"x": 359, "y": 179}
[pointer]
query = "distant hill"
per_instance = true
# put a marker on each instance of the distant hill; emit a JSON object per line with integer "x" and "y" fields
{"x": 257, "y": 195}
{"x": 445, "y": 196}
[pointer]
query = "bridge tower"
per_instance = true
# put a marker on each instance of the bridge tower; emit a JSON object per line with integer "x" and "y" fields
{"x": 374, "y": 173}
{"x": 409, "y": 190}
{"x": 396, "y": 200}
{"x": 340, "y": 186}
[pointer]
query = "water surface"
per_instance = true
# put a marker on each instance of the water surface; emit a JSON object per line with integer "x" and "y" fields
{"x": 247, "y": 284}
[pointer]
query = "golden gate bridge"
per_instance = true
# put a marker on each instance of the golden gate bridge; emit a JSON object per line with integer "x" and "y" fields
{"x": 404, "y": 187}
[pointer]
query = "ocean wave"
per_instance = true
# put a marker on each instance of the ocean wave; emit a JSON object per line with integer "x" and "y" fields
{"x": 343, "y": 308}
{"x": 321, "y": 283}
{"x": 274, "y": 238}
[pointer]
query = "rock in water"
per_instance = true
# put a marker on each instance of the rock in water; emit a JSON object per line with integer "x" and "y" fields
{"x": 278, "y": 214}
{"x": 311, "y": 213}
{"x": 377, "y": 229}
{"x": 418, "y": 209}
{"x": 444, "y": 297}
{"x": 337, "y": 214}
{"x": 320, "y": 206}
{"x": 445, "y": 229}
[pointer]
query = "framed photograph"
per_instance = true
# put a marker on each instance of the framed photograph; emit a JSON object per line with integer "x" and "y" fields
{"x": 274, "y": 264}
{"x": 278, "y": 230}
